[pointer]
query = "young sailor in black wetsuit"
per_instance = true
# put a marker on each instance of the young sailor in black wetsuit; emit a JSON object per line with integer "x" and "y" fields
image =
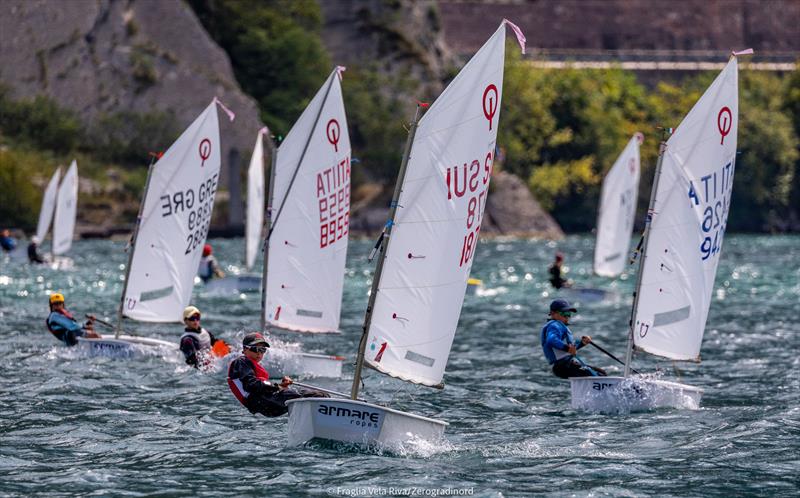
{"x": 556, "y": 279}
{"x": 198, "y": 344}
{"x": 249, "y": 381}
{"x": 63, "y": 326}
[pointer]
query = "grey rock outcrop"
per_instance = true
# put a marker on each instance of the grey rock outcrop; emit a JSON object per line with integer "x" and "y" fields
{"x": 106, "y": 56}
{"x": 511, "y": 209}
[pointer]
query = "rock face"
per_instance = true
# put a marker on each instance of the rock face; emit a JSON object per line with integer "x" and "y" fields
{"x": 106, "y": 56}
{"x": 512, "y": 210}
{"x": 400, "y": 38}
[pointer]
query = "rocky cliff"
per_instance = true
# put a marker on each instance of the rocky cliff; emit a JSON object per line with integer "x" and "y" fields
{"x": 106, "y": 56}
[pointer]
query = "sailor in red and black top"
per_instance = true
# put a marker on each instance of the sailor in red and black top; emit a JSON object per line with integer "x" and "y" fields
{"x": 249, "y": 382}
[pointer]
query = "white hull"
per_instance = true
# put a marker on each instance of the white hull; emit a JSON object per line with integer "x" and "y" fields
{"x": 357, "y": 422}
{"x": 124, "y": 346}
{"x": 586, "y": 295}
{"x": 235, "y": 283}
{"x": 625, "y": 395}
{"x": 280, "y": 362}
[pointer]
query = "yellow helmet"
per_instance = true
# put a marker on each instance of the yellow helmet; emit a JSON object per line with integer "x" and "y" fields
{"x": 56, "y": 297}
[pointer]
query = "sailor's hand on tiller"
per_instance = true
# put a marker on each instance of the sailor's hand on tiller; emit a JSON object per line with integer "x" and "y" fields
{"x": 571, "y": 349}
{"x": 286, "y": 382}
{"x": 586, "y": 339}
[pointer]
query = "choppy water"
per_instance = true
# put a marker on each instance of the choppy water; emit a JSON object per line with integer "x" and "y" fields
{"x": 72, "y": 425}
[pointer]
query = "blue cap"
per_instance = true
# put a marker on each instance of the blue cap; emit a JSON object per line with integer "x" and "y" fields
{"x": 561, "y": 305}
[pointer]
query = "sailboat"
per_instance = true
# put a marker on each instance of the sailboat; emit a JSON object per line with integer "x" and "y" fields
{"x": 426, "y": 252}
{"x": 64, "y": 219}
{"x": 307, "y": 228}
{"x": 254, "y": 224}
{"x": 617, "y": 209}
{"x": 685, "y": 225}
{"x": 168, "y": 238}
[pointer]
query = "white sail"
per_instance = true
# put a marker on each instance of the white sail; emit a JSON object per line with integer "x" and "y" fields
{"x": 435, "y": 232}
{"x": 174, "y": 224}
{"x": 255, "y": 201}
{"x": 617, "y": 209}
{"x": 689, "y": 215}
{"x": 308, "y": 246}
{"x": 66, "y": 210}
{"x": 48, "y": 206}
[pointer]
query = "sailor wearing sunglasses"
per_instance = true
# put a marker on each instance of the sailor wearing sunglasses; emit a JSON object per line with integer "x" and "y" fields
{"x": 249, "y": 381}
{"x": 559, "y": 347}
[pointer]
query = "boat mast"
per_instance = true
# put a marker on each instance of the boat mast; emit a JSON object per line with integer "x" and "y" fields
{"x": 267, "y": 229}
{"x": 384, "y": 249}
{"x": 645, "y": 237}
{"x": 133, "y": 247}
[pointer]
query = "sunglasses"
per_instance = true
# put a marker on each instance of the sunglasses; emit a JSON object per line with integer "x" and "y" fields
{"x": 257, "y": 349}
{"x": 566, "y": 314}
{"x": 193, "y": 318}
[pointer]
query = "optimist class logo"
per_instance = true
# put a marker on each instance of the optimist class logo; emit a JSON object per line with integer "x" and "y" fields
{"x": 490, "y": 103}
{"x": 333, "y": 131}
{"x": 724, "y": 123}
{"x": 205, "y": 150}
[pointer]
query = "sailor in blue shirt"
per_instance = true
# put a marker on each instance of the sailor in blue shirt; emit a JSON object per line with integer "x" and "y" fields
{"x": 63, "y": 325}
{"x": 559, "y": 347}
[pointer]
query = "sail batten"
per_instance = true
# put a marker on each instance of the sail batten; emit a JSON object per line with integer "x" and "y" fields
{"x": 176, "y": 214}
{"x": 307, "y": 248}
{"x": 441, "y": 201}
{"x": 689, "y": 217}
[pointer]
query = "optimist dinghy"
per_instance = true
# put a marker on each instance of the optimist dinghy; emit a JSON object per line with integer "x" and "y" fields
{"x": 682, "y": 243}
{"x": 169, "y": 234}
{"x": 426, "y": 252}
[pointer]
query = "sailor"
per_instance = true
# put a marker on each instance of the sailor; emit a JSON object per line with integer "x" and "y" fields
{"x": 555, "y": 273}
{"x": 249, "y": 381}
{"x": 209, "y": 268}
{"x": 7, "y": 242}
{"x": 559, "y": 347}
{"x": 33, "y": 251}
{"x": 198, "y": 344}
{"x": 63, "y": 325}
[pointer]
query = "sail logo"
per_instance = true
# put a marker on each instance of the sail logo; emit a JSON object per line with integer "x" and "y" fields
{"x": 333, "y": 132}
{"x": 490, "y": 103}
{"x": 205, "y": 151}
{"x": 724, "y": 123}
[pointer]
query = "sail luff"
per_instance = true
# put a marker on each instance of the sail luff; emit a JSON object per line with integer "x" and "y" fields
{"x": 131, "y": 248}
{"x": 267, "y": 228}
{"x": 645, "y": 237}
{"x": 255, "y": 201}
{"x": 384, "y": 249}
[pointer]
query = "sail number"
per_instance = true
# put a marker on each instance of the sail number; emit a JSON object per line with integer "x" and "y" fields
{"x": 195, "y": 207}
{"x": 333, "y": 198}
{"x": 474, "y": 184}
{"x": 713, "y": 194}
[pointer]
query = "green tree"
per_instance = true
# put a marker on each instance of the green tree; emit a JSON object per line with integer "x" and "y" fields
{"x": 275, "y": 49}
{"x": 21, "y": 198}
